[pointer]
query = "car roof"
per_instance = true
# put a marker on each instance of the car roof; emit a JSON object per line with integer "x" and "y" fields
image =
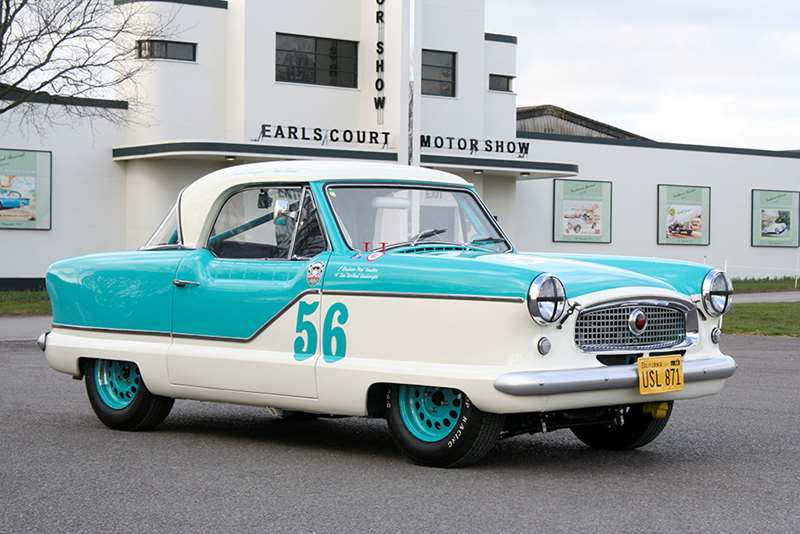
{"x": 198, "y": 199}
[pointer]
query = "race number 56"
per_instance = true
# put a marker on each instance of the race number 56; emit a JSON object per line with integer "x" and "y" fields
{"x": 334, "y": 337}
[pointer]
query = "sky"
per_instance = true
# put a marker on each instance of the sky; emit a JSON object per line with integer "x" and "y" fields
{"x": 713, "y": 72}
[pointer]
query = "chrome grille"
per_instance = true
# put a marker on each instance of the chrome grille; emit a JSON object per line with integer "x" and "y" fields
{"x": 606, "y": 329}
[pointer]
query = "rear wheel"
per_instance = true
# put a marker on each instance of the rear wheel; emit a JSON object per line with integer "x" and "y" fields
{"x": 641, "y": 424}
{"x": 120, "y": 399}
{"x": 440, "y": 427}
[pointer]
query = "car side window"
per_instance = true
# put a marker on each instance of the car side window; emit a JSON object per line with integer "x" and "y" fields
{"x": 309, "y": 240}
{"x": 256, "y": 224}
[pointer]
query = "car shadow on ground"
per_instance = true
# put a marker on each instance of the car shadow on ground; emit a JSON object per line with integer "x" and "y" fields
{"x": 356, "y": 436}
{"x": 344, "y": 435}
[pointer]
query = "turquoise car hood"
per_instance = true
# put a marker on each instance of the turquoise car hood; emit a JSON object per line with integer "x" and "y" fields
{"x": 581, "y": 274}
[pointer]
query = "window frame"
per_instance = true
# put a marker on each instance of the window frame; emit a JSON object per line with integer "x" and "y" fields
{"x": 166, "y": 55}
{"x": 408, "y": 185}
{"x": 316, "y": 54}
{"x": 167, "y": 246}
{"x": 506, "y": 77}
{"x": 305, "y": 190}
{"x": 454, "y": 69}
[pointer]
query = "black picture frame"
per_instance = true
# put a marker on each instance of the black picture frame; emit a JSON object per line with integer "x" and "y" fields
{"x": 610, "y": 213}
{"x": 659, "y": 215}
{"x": 753, "y": 214}
{"x": 50, "y": 217}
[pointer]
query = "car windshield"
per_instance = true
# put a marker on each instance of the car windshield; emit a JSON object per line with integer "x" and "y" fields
{"x": 385, "y": 217}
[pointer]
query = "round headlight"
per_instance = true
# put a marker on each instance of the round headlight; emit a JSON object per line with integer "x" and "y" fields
{"x": 547, "y": 299}
{"x": 717, "y": 291}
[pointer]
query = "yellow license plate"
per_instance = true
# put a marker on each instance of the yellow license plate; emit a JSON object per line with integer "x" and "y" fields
{"x": 660, "y": 374}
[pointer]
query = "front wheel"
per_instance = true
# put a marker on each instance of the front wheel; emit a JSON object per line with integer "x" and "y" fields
{"x": 440, "y": 427}
{"x": 641, "y": 424}
{"x": 120, "y": 399}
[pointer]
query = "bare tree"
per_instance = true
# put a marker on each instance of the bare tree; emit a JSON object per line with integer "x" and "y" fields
{"x": 62, "y": 53}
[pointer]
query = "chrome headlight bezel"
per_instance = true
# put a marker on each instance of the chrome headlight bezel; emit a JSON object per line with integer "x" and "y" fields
{"x": 717, "y": 284}
{"x": 547, "y": 290}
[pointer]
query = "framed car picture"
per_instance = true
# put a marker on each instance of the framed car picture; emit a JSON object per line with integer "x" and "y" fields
{"x": 774, "y": 218}
{"x": 581, "y": 211}
{"x": 25, "y": 189}
{"x": 684, "y": 215}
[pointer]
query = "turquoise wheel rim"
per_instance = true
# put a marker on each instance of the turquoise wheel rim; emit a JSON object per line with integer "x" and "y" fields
{"x": 430, "y": 413}
{"x": 117, "y": 382}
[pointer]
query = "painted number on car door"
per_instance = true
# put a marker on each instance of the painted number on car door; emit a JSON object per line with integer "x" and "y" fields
{"x": 334, "y": 337}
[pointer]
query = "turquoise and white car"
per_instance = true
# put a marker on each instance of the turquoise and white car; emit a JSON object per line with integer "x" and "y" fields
{"x": 10, "y": 199}
{"x": 324, "y": 288}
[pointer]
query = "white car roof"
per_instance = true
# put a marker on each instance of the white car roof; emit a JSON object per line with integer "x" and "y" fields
{"x": 198, "y": 200}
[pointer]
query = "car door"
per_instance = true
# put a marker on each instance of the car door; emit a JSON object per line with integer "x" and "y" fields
{"x": 246, "y": 307}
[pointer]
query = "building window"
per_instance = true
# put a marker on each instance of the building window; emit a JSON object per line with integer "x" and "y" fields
{"x": 316, "y": 60}
{"x": 499, "y": 82}
{"x": 167, "y": 50}
{"x": 438, "y": 73}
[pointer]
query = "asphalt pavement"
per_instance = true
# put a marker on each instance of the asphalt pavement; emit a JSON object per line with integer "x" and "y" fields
{"x": 729, "y": 463}
{"x": 775, "y": 296}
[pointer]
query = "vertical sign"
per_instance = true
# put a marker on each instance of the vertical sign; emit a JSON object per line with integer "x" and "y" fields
{"x": 684, "y": 215}
{"x": 411, "y": 77}
{"x": 581, "y": 211}
{"x": 774, "y": 218}
{"x": 380, "y": 97}
{"x": 25, "y": 189}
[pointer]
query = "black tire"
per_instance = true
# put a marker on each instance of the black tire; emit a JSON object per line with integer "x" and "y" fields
{"x": 639, "y": 428}
{"x": 468, "y": 442}
{"x": 145, "y": 412}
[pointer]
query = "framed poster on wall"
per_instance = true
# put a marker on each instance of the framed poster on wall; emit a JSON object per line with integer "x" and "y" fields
{"x": 684, "y": 215}
{"x": 581, "y": 211}
{"x": 25, "y": 189}
{"x": 774, "y": 218}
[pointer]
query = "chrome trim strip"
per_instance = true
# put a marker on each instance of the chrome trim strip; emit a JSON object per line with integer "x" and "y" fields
{"x": 440, "y": 296}
{"x": 110, "y": 330}
{"x": 604, "y": 378}
{"x": 685, "y": 305}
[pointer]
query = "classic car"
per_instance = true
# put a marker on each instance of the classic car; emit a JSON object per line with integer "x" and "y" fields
{"x": 775, "y": 229}
{"x": 10, "y": 199}
{"x": 349, "y": 289}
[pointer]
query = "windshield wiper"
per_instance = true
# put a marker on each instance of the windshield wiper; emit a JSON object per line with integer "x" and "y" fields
{"x": 426, "y": 234}
{"x": 486, "y": 240}
{"x": 412, "y": 241}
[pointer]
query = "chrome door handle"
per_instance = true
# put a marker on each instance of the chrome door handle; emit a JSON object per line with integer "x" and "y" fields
{"x": 184, "y": 283}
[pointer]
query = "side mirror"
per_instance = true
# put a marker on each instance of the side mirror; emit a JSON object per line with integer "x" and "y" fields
{"x": 281, "y": 211}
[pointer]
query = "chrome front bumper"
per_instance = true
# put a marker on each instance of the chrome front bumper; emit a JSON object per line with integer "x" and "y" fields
{"x": 603, "y": 378}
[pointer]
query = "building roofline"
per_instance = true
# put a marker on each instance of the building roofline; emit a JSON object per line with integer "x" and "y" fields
{"x": 46, "y": 98}
{"x": 646, "y": 143}
{"x": 549, "y": 110}
{"x": 214, "y": 148}
{"x": 500, "y": 38}
{"x": 221, "y": 4}
{"x": 514, "y": 165}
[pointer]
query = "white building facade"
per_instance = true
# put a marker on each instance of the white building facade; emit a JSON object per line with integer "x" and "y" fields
{"x": 399, "y": 81}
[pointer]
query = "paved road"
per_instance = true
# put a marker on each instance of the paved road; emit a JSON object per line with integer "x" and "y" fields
{"x": 23, "y": 327}
{"x": 730, "y": 463}
{"x": 777, "y": 296}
